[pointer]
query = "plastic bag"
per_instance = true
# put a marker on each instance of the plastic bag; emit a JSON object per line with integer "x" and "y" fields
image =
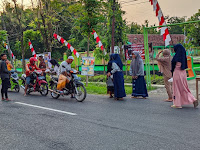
{"x": 109, "y": 82}
{"x": 62, "y": 81}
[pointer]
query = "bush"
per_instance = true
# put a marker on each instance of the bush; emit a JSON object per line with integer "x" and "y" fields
{"x": 127, "y": 79}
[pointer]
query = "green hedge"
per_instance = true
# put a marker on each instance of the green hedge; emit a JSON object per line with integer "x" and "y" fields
{"x": 127, "y": 79}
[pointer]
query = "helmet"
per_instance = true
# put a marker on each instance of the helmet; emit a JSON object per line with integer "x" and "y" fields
{"x": 32, "y": 60}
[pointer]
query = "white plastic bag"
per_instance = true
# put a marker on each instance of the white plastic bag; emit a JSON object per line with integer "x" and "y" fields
{"x": 170, "y": 80}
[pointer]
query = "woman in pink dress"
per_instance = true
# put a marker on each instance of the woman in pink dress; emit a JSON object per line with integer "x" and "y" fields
{"x": 181, "y": 92}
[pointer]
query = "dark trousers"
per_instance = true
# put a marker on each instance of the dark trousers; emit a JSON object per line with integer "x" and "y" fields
{"x": 4, "y": 89}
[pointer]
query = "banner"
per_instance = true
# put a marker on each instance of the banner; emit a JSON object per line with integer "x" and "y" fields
{"x": 134, "y": 47}
{"x": 47, "y": 57}
{"x": 87, "y": 66}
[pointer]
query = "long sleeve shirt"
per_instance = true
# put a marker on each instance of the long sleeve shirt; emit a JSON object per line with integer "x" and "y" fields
{"x": 4, "y": 71}
{"x": 115, "y": 68}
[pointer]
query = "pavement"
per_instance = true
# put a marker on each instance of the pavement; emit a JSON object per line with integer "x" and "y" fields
{"x": 98, "y": 123}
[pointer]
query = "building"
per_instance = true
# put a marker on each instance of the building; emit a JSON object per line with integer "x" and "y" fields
{"x": 155, "y": 39}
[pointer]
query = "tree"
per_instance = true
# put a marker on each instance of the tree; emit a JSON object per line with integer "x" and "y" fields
{"x": 193, "y": 30}
{"x": 178, "y": 29}
{"x": 3, "y": 35}
{"x": 100, "y": 55}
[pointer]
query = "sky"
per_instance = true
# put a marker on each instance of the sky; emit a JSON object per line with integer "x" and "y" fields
{"x": 140, "y": 10}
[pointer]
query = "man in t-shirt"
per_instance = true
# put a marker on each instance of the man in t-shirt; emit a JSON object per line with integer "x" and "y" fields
{"x": 30, "y": 67}
{"x": 66, "y": 65}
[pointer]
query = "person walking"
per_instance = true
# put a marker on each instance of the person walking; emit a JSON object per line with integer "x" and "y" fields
{"x": 137, "y": 73}
{"x": 181, "y": 92}
{"x": 165, "y": 68}
{"x": 5, "y": 75}
{"x": 118, "y": 77}
{"x": 110, "y": 89}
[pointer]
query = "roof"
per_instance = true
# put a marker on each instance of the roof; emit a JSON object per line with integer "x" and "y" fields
{"x": 156, "y": 39}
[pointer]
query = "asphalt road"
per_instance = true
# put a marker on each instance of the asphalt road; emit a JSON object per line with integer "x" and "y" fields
{"x": 98, "y": 123}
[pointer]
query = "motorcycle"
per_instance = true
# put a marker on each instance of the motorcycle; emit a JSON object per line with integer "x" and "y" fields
{"x": 37, "y": 84}
{"x": 75, "y": 86}
{"x": 14, "y": 81}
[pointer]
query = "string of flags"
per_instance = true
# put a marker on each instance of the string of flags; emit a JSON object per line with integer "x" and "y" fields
{"x": 159, "y": 14}
{"x": 63, "y": 41}
{"x": 32, "y": 49}
{"x": 9, "y": 50}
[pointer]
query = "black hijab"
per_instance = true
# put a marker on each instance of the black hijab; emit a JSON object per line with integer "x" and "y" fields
{"x": 109, "y": 66}
{"x": 117, "y": 60}
{"x": 180, "y": 56}
{"x": 54, "y": 62}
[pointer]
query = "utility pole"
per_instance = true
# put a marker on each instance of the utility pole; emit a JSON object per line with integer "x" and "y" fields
{"x": 113, "y": 27}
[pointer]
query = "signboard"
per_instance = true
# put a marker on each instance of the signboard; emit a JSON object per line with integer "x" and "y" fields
{"x": 47, "y": 57}
{"x": 134, "y": 47}
{"x": 87, "y": 66}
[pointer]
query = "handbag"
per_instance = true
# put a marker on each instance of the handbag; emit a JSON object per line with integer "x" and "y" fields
{"x": 109, "y": 82}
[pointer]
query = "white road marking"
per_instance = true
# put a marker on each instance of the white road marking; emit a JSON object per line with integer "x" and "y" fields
{"x": 46, "y": 108}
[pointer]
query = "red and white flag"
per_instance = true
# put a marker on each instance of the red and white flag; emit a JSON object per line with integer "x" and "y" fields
{"x": 63, "y": 41}
{"x": 9, "y": 50}
{"x": 98, "y": 40}
{"x": 163, "y": 30}
{"x": 32, "y": 49}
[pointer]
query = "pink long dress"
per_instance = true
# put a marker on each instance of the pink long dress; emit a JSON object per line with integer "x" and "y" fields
{"x": 181, "y": 91}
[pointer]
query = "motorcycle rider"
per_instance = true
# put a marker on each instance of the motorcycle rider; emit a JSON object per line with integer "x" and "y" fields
{"x": 30, "y": 67}
{"x": 65, "y": 66}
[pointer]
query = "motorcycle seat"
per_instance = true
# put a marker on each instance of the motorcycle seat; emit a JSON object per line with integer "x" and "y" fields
{"x": 55, "y": 78}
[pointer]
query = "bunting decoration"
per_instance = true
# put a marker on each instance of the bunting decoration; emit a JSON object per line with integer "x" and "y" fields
{"x": 9, "y": 50}
{"x": 98, "y": 39}
{"x": 32, "y": 49}
{"x": 159, "y": 14}
{"x": 63, "y": 41}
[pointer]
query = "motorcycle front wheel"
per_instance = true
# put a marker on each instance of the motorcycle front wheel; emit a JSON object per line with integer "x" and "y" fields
{"x": 17, "y": 88}
{"x": 44, "y": 89}
{"x": 80, "y": 93}
{"x": 54, "y": 88}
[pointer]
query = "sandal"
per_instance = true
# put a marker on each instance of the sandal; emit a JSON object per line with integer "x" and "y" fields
{"x": 178, "y": 107}
{"x": 196, "y": 103}
{"x": 111, "y": 96}
{"x": 7, "y": 99}
{"x": 168, "y": 100}
{"x": 133, "y": 97}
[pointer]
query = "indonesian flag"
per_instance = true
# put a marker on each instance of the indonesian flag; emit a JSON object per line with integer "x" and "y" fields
{"x": 32, "y": 49}
{"x": 63, "y": 41}
{"x": 98, "y": 40}
{"x": 163, "y": 30}
{"x": 9, "y": 50}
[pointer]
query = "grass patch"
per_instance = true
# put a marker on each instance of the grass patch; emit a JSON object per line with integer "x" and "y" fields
{"x": 99, "y": 88}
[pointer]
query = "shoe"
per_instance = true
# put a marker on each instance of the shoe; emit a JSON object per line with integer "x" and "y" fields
{"x": 3, "y": 99}
{"x": 196, "y": 103}
{"x": 178, "y": 107}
